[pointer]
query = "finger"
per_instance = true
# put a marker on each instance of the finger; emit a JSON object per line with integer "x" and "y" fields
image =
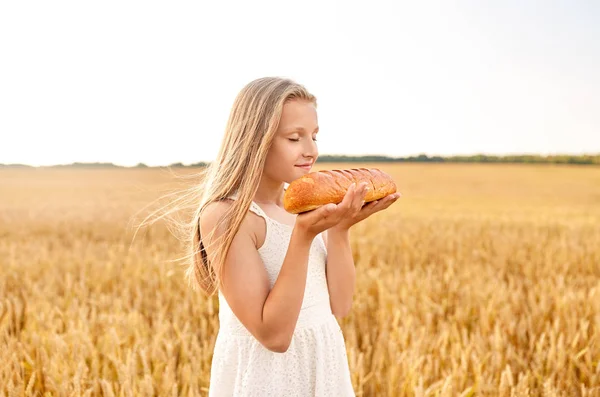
{"x": 390, "y": 199}
{"x": 365, "y": 192}
{"x": 326, "y": 210}
{"x": 384, "y": 202}
{"x": 373, "y": 203}
{"x": 371, "y": 206}
{"x": 359, "y": 197}
{"x": 346, "y": 203}
{"x": 392, "y": 196}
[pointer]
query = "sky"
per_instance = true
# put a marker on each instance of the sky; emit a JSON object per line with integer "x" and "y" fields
{"x": 152, "y": 82}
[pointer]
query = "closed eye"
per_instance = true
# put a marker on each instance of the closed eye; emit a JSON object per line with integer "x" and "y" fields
{"x": 298, "y": 140}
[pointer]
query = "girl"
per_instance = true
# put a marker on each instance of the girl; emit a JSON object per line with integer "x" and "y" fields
{"x": 281, "y": 279}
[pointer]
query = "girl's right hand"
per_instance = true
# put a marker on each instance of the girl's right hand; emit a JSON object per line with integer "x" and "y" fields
{"x": 326, "y": 216}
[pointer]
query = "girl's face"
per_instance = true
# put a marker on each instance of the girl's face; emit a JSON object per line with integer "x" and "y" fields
{"x": 294, "y": 143}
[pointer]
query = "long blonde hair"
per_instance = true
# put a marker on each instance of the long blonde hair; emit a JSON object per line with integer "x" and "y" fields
{"x": 249, "y": 132}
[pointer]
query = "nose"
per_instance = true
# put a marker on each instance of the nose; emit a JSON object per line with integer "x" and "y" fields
{"x": 310, "y": 150}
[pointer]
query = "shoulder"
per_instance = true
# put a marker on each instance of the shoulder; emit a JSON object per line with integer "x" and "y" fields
{"x": 214, "y": 214}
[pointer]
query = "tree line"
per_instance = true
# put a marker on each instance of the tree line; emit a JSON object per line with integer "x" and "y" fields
{"x": 584, "y": 159}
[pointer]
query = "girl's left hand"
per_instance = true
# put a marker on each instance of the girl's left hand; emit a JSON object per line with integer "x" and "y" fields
{"x": 361, "y": 211}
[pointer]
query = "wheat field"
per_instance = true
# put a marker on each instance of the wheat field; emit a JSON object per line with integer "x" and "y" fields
{"x": 482, "y": 280}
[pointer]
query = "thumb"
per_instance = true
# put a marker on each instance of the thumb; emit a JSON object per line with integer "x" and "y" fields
{"x": 328, "y": 209}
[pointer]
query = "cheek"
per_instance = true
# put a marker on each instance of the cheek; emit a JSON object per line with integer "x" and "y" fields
{"x": 279, "y": 154}
{"x": 287, "y": 150}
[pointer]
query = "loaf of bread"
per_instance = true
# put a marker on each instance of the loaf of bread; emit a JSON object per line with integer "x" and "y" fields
{"x": 330, "y": 186}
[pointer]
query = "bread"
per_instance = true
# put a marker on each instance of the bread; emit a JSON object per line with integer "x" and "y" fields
{"x": 330, "y": 186}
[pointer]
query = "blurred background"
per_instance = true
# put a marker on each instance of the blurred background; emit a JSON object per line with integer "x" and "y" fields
{"x": 483, "y": 279}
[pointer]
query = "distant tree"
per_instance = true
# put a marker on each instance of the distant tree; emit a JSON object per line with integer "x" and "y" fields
{"x": 585, "y": 159}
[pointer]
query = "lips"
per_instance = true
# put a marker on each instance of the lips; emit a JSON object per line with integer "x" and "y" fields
{"x": 305, "y": 166}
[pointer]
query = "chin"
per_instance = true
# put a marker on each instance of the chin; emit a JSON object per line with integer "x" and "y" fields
{"x": 297, "y": 173}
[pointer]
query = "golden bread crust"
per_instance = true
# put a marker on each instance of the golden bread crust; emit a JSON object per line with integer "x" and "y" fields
{"x": 330, "y": 186}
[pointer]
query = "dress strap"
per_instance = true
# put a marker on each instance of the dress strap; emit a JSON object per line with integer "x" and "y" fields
{"x": 253, "y": 206}
{"x": 256, "y": 209}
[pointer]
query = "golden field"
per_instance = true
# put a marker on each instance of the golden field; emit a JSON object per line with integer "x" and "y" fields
{"x": 482, "y": 280}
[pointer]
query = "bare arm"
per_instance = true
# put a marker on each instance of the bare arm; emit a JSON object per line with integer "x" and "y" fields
{"x": 340, "y": 271}
{"x": 269, "y": 315}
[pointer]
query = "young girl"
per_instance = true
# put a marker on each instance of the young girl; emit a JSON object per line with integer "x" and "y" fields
{"x": 281, "y": 278}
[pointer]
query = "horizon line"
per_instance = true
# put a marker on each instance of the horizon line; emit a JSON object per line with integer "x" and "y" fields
{"x": 341, "y": 156}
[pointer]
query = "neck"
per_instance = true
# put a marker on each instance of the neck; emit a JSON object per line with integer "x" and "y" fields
{"x": 269, "y": 192}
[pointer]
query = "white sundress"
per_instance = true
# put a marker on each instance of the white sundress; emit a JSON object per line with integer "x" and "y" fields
{"x": 315, "y": 364}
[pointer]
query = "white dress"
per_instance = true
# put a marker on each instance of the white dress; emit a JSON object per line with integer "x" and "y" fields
{"x": 315, "y": 363}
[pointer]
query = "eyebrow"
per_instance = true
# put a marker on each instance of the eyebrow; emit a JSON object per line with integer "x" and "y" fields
{"x": 297, "y": 129}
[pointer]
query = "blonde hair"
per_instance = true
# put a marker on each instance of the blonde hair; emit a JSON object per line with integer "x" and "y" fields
{"x": 249, "y": 132}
